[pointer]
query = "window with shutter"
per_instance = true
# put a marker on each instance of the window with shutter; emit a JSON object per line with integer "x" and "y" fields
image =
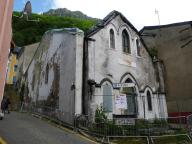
{"x": 107, "y": 98}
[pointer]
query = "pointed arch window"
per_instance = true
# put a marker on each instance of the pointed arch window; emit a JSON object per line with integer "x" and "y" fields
{"x": 131, "y": 98}
{"x": 112, "y": 39}
{"x": 125, "y": 42}
{"x": 138, "y": 45}
{"x": 149, "y": 101}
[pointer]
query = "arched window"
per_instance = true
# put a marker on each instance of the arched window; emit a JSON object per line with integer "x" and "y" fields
{"x": 149, "y": 101}
{"x": 138, "y": 45}
{"x": 112, "y": 39}
{"x": 125, "y": 42}
{"x": 131, "y": 98}
{"x": 107, "y": 98}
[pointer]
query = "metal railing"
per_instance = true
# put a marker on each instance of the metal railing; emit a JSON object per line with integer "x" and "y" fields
{"x": 132, "y": 126}
{"x": 119, "y": 127}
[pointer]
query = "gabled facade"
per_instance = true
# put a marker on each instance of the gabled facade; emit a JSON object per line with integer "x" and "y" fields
{"x": 115, "y": 56}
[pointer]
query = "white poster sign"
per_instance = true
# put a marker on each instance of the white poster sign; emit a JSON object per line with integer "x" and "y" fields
{"x": 121, "y": 101}
{"x": 125, "y": 121}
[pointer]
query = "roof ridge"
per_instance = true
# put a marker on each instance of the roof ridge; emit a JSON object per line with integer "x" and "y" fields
{"x": 165, "y": 26}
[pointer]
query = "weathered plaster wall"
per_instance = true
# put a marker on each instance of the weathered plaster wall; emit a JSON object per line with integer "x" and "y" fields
{"x": 55, "y": 74}
{"x": 170, "y": 42}
{"x": 115, "y": 62}
{"x": 24, "y": 59}
{"x": 105, "y": 62}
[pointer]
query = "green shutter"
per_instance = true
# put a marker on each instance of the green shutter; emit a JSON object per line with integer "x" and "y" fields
{"x": 107, "y": 98}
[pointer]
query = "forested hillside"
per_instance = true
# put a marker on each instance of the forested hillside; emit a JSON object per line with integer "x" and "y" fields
{"x": 28, "y": 32}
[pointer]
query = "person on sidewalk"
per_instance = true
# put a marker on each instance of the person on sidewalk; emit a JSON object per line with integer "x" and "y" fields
{"x": 5, "y": 105}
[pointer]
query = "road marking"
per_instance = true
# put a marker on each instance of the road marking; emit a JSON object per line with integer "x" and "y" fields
{"x": 2, "y": 141}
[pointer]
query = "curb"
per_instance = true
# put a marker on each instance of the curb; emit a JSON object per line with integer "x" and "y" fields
{"x": 2, "y": 141}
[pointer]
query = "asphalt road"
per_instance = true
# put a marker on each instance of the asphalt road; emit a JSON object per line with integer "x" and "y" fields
{"x": 18, "y": 128}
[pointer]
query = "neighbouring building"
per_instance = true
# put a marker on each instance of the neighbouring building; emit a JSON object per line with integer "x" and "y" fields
{"x": 6, "y": 8}
{"x": 53, "y": 78}
{"x": 12, "y": 66}
{"x": 173, "y": 44}
{"x": 76, "y": 73}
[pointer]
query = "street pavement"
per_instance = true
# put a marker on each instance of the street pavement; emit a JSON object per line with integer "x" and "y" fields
{"x": 20, "y": 128}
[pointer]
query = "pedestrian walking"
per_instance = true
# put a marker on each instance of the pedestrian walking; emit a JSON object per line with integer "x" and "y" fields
{"x": 5, "y": 105}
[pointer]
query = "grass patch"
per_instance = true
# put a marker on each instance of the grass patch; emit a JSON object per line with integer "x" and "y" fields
{"x": 172, "y": 140}
{"x": 129, "y": 141}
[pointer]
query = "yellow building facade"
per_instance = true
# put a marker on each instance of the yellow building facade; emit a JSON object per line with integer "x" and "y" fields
{"x": 12, "y": 69}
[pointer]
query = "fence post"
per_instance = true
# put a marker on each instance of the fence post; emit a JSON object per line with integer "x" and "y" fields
{"x": 75, "y": 122}
{"x": 148, "y": 130}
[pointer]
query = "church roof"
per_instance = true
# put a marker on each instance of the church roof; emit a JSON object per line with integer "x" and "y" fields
{"x": 101, "y": 24}
{"x": 165, "y": 26}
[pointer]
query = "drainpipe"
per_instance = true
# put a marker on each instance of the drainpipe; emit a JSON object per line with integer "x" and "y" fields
{"x": 74, "y": 104}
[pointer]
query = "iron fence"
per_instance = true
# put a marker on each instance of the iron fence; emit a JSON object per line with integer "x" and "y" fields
{"x": 132, "y": 126}
{"x": 118, "y": 127}
{"x": 52, "y": 113}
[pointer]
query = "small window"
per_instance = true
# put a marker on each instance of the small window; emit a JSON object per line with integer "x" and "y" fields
{"x": 14, "y": 79}
{"x": 125, "y": 42}
{"x": 107, "y": 98}
{"x": 149, "y": 101}
{"x": 112, "y": 39}
{"x": 15, "y": 68}
{"x": 138, "y": 45}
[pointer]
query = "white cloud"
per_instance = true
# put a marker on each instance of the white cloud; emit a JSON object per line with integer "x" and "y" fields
{"x": 138, "y": 12}
{"x": 24, "y": 2}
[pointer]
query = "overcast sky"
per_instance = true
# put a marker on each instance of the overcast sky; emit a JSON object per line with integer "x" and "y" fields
{"x": 139, "y": 12}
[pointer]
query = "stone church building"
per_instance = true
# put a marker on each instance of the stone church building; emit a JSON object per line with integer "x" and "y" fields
{"x": 109, "y": 67}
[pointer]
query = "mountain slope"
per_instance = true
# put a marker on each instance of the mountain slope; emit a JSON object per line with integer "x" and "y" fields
{"x": 28, "y": 32}
{"x": 67, "y": 13}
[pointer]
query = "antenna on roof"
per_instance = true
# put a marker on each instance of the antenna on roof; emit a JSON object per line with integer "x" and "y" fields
{"x": 157, "y": 13}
